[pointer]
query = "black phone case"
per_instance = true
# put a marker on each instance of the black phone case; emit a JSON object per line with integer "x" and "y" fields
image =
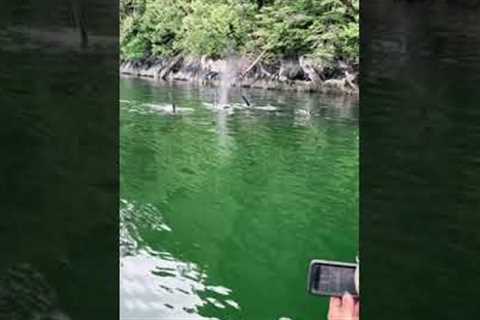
{"x": 314, "y": 275}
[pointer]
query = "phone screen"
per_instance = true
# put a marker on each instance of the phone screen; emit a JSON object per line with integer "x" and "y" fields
{"x": 332, "y": 278}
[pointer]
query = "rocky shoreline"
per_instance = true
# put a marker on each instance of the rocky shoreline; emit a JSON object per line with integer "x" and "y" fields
{"x": 300, "y": 74}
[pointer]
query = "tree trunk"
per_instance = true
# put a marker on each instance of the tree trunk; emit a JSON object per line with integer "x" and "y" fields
{"x": 243, "y": 74}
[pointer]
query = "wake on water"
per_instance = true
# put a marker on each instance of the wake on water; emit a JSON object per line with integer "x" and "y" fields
{"x": 167, "y": 108}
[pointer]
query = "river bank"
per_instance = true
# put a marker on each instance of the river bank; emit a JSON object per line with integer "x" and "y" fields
{"x": 302, "y": 74}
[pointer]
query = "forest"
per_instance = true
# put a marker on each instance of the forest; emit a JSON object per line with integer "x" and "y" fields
{"x": 325, "y": 30}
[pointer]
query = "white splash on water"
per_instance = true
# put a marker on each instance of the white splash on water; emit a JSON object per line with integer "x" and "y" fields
{"x": 266, "y": 108}
{"x": 168, "y": 108}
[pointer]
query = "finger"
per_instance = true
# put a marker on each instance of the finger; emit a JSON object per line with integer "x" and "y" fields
{"x": 348, "y": 303}
{"x": 334, "y": 308}
{"x": 335, "y": 303}
{"x": 356, "y": 313}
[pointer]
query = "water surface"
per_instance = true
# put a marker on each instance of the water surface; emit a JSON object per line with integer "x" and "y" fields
{"x": 222, "y": 210}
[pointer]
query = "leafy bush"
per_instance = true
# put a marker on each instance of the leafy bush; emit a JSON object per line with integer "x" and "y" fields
{"x": 216, "y": 27}
{"x": 162, "y": 24}
{"x": 326, "y": 29}
{"x": 335, "y": 32}
{"x": 133, "y": 45}
{"x": 281, "y": 30}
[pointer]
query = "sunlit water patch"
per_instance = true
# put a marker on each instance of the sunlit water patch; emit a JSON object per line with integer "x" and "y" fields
{"x": 158, "y": 286}
{"x": 155, "y": 284}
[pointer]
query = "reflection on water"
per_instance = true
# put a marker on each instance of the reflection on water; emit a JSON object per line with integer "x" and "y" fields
{"x": 156, "y": 285}
{"x": 222, "y": 209}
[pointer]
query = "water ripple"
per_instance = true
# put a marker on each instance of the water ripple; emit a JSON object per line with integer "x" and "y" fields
{"x": 223, "y": 209}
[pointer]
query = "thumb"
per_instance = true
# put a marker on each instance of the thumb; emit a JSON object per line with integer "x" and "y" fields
{"x": 348, "y": 302}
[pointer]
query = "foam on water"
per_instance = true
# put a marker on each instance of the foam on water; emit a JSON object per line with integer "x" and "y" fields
{"x": 167, "y": 108}
{"x": 239, "y": 106}
{"x": 266, "y": 108}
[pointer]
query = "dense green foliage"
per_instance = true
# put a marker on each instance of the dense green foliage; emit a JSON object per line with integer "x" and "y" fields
{"x": 282, "y": 28}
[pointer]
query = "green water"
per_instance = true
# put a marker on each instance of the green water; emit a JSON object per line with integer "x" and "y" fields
{"x": 221, "y": 211}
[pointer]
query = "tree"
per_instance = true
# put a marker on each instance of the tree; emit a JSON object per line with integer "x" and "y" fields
{"x": 327, "y": 29}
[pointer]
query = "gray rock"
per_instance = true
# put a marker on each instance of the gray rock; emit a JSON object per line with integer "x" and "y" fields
{"x": 310, "y": 68}
{"x": 291, "y": 70}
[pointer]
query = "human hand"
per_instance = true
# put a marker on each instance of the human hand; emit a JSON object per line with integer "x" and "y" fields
{"x": 344, "y": 308}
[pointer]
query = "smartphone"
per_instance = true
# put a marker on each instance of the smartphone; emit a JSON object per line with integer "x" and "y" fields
{"x": 331, "y": 278}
